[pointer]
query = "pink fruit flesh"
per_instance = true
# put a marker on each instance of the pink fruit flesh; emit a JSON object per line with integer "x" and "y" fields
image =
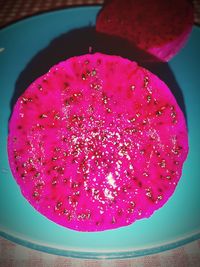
{"x": 161, "y": 28}
{"x": 97, "y": 143}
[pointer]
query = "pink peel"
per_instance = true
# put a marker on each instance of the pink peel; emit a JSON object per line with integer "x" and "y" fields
{"x": 158, "y": 28}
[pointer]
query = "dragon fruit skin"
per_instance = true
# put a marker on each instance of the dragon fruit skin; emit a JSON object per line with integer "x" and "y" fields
{"x": 160, "y": 28}
{"x": 97, "y": 143}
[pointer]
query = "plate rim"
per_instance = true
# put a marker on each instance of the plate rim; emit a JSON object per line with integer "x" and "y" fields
{"x": 89, "y": 254}
{"x": 100, "y": 255}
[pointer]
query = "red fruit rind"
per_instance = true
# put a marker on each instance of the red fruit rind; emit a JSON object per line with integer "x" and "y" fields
{"x": 159, "y": 28}
{"x": 97, "y": 143}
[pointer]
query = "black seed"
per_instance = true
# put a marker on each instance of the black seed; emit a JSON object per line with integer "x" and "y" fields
{"x": 28, "y": 143}
{"x": 158, "y": 154}
{"x": 42, "y": 116}
{"x": 158, "y": 113}
{"x": 120, "y": 212}
{"x": 74, "y": 185}
{"x": 172, "y": 172}
{"x": 39, "y": 185}
{"x": 64, "y": 139}
{"x": 65, "y": 211}
{"x": 24, "y": 100}
{"x": 142, "y": 151}
{"x": 19, "y": 127}
{"x": 88, "y": 215}
{"x": 148, "y": 99}
{"x": 113, "y": 220}
{"x": 173, "y": 114}
{"x": 71, "y": 99}
{"x": 54, "y": 182}
{"x": 83, "y": 77}
{"x": 146, "y": 81}
{"x": 37, "y": 174}
{"x": 55, "y": 168}
{"x": 130, "y": 210}
{"x": 24, "y": 165}
{"x": 132, "y": 204}
{"x": 128, "y": 173}
{"x": 66, "y": 103}
{"x": 35, "y": 194}
{"x": 65, "y": 85}
{"x": 30, "y": 160}
{"x": 124, "y": 189}
{"x": 88, "y": 189}
{"x": 69, "y": 217}
{"x": 60, "y": 170}
{"x": 40, "y": 87}
{"x": 59, "y": 204}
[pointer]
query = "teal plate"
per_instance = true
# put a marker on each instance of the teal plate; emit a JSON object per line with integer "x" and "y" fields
{"x": 26, "y": 50}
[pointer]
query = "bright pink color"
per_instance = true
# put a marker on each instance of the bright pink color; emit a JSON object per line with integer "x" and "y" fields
{"x": 159, "y": 28}
{"x": 97, "y": 143}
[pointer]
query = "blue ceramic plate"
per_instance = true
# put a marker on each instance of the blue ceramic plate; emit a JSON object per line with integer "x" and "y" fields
{"x": 27, "y": 49}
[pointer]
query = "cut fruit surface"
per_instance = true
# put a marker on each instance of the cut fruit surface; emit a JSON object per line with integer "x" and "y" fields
{"x": 97, "y": 143}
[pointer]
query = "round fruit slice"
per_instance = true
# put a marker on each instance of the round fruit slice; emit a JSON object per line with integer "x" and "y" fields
{"x": 160, "y": 28}
{"x": 97, "y": 143}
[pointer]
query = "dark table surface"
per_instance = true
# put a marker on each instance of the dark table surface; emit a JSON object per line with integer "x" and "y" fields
{"x": 13, "y": 10}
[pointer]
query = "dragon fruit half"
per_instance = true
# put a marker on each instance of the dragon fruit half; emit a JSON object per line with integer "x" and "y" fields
{"x": 160, "y": 28}
{"x": 97, "y": 143}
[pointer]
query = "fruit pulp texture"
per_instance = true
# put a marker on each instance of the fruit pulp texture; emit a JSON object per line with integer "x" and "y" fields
{"x": 97, "y": 143}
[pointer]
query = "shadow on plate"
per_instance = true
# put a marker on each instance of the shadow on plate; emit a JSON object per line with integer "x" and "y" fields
{"x": 77, "y": 42}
